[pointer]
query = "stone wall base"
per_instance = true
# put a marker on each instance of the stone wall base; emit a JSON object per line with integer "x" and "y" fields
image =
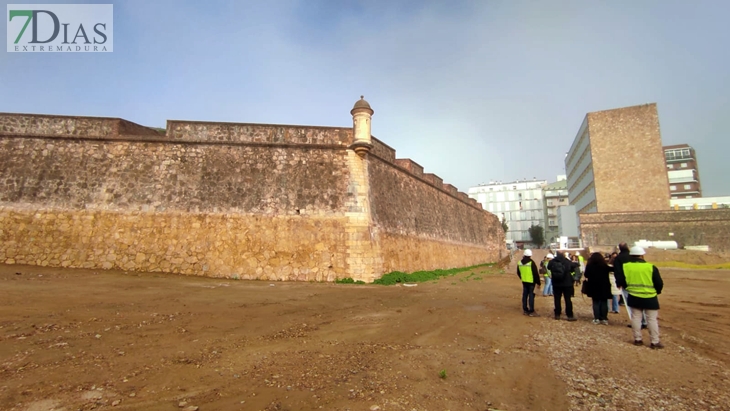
{"x": 409, "y": 254}
{"x": 300, "y": 248}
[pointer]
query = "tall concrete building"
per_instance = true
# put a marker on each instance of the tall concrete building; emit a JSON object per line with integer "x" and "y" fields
{"x": 616, "y": 163}
{"x": 555, "y": 195}
{"x": 682, "y": 171}
{"x": 519, "y": 203}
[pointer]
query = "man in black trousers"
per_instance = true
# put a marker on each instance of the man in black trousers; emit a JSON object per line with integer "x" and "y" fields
{"x": 561, "y": 271}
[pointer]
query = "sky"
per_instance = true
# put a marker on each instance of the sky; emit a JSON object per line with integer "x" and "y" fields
{"x": 473, "y": 91}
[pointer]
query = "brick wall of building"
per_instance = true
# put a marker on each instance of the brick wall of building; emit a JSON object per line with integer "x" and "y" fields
{"x": 689, "y": 227}
{"x": 628, "y": 160}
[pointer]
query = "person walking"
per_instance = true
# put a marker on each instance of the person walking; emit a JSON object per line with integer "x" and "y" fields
{"x": 643, "y": 283}
{"x": 527, "y": 271}
{"x": 599, "y": 287}
{"x": 615, "y": 292}
{"x": 561, "y": 273}
{"x": 618, "y": 263}
{"x": 547, "y": 290}
{"x": 581, "y": 261}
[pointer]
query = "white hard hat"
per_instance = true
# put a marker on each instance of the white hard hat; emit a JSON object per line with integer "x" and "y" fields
{"x": 528, "y": 253}
{"x": 550, "y": 256}
{"x": 636, "y": 250}
{"x": 577, "y": 253}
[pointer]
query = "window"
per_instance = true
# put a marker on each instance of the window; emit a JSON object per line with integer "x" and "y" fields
{"x": 673, "y": 188}
{"x": 670, "y": 166}
{"x": 687, "y": 186}
{"x": 683, "y": 165}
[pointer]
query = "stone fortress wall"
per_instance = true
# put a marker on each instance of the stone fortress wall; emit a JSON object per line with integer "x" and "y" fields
{"x": 247, "y": 201}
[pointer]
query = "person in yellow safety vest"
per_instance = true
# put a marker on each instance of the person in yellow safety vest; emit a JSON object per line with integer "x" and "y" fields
{"x": 643, "y": 283}
{"x": 527, "y": 271}
{"x": 582, "y": 262}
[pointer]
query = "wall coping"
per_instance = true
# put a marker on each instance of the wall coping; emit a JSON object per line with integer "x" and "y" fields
{"x": 626, "y": 217}
{"x": 227, "y": 123}
{"x": 162, "y": 139}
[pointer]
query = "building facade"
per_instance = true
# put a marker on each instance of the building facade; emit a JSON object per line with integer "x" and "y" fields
{"x": 700, "y": 203}
{"x": 682, "y": 171}
{"x": 555, "y": 195}
{"x": 568, "y": 222}
{"x": 519, "y": 203}
{"x": 616, "y": 162}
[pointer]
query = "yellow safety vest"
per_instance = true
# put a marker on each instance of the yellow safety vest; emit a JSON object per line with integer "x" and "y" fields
{"x": 638, "y": 279}
{"x": 526, "y": 272}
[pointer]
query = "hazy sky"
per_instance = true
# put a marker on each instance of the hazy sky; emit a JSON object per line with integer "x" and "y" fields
{"x": 473, "y": 90}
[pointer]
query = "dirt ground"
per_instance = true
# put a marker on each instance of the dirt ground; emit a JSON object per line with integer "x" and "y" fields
{"x": 83, "y": 339}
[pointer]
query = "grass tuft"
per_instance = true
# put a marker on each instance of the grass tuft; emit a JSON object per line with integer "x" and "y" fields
{"x": 348, "y": 280}
{"x": 422, "y": 276}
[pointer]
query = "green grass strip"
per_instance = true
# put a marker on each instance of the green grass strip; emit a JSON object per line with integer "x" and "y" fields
{"x": 422, "y": 276}
{"x": 679, "y": 264}
{"x": 348, "y": 280}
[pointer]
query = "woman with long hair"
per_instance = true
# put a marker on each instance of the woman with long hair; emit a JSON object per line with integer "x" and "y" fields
{"x": 599, "y": 287}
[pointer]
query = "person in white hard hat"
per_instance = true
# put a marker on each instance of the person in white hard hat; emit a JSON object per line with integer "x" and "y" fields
{"x": 547, "y": 290}
{"x": 643, "y": 283}
{"x": 527, "y": 271}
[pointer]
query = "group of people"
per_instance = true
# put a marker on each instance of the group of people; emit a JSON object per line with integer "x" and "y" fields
{"x": 623, "y": 275}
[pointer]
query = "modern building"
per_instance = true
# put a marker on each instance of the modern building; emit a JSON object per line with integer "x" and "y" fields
{"x": 519, "y": 203}
{"x": 682, "y": 171}
{"x": 616, "y": 163}
{"x": 555, "y": 195}
{"x": 568, "y": 222}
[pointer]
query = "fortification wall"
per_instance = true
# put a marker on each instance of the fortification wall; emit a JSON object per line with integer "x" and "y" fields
{"x": 250, "y": 201}
{"x": 688, "y": 227}
{"x": 75, "y": 193}
{"x": 423, "y": 224}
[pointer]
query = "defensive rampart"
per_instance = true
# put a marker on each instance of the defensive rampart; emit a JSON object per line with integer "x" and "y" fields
{"x": 686, "y": 227}
{"x": 246, "y": 201}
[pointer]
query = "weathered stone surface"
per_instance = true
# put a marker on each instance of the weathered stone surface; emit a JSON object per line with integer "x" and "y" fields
{"x": 141, "y": 176}
{"x": 687, "y": 227}
{"x": 304, "y": 248}
{"x": 228, "y": 200}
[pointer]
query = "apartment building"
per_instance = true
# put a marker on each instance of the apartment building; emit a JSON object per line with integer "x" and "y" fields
{"x": 555, "y": 195}
{"x": 682, "y": 171}
{"x": 519, "y": 203}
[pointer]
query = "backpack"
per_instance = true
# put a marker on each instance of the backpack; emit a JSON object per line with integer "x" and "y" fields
{"x": 558, "y": 272}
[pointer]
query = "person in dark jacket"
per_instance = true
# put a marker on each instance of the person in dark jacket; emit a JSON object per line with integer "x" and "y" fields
{"x": 527, "y": 271}
{"x": 599, "y": 287}
{"x": 561, "y": 271}
{"x": 643, "y": 283}
{"x": 618, "y": 263}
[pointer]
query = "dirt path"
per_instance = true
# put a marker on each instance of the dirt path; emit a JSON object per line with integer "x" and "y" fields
{"x": 79, "y": 339}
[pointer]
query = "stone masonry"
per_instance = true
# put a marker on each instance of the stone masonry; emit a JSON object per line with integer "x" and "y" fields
{"x": 248, "y": 201}
{"x": 686, "y": 227}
